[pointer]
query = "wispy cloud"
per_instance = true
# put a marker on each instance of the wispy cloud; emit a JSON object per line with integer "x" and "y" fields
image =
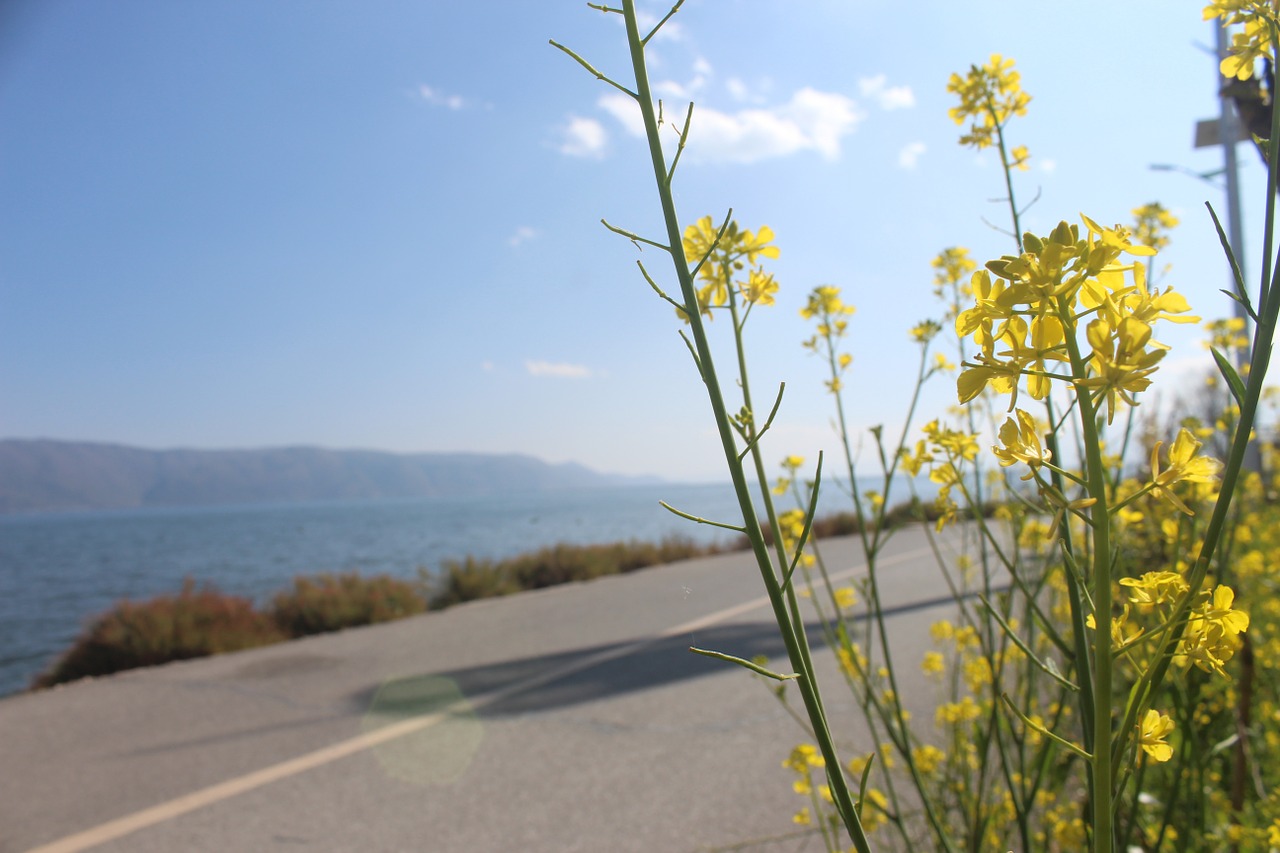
{"x": 810, "y": 121}
{"x": 909, "y": 156}
{"x": 437, "y": 98}
{"x": 671, "y": 30}
{"x": 583, "y": 137}
{"x": 523, "y": 234}
{"x": 560, "y": 370}
{"x": 885, "y": 96}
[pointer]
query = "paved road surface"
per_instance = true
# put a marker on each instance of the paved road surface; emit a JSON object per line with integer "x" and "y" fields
{"x": 568, "y": 719}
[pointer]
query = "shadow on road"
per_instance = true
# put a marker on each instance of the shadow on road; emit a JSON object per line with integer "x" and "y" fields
{"x": 611, "y": 669}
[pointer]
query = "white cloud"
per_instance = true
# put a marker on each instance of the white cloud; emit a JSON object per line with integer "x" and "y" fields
{"x": 1048, "y": 165}
{"x": 557, "y": 369}
{"x": 671, "y": 30}
{"x": 887, "y": 97}
{"x": 809, "y": 121}
{"x": 909, "y": 156}
{"x": 626, "y": 111}
{"x": 437, "y": 98}
{"x": 523, "y": 234}
{"x": 670, "y": 89}
{"x": 583, "y": 137}
{"x": 737, "y": 89}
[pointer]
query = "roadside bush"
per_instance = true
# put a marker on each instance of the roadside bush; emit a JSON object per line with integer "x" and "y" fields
{"x": 194, "y": 623}
{"x": 470, "y": 579}
{"x": 326, "y": 602}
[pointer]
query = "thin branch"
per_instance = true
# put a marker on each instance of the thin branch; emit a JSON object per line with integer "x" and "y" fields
{"x": 599, "y": 75}
{"x": 767, "y": 423}
{"x": 701, "y": 520}
{"x": 751, "y": 665}
{"x": 654, "y": 285}
{"x": 684, "y": 136}
{"x": 676, "y": 8}
{"x": 634, "y": 238}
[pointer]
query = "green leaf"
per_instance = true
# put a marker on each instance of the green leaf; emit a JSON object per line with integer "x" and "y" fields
{"x": 1241, "y": 295}
{"x": 754, "y": 667}
{"x": 1229, "y": 373}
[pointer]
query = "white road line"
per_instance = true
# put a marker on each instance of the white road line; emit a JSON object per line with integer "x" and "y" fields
{"x": 170, "y": 809}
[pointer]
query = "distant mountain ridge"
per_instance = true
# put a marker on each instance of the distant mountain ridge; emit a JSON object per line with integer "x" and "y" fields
{"x": 43, "y": 475}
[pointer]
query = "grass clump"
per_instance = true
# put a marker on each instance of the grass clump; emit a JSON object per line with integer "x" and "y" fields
{"x": 194, "y": 623}
{"x": 318, "y": 604}
{"x": 470, "y": 579}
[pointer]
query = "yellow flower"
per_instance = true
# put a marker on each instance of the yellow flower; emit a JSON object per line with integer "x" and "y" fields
{"x": 1152, "y": 731}
{"x": 803, "y": 757}
{"x": 927, "y": 758}
{"x": 1155, "y": 588}
{"x": 952, "y": 266}
{"x": 719, "y": 257}
{"x": 1019, "y": 157}
{"x": 845, "y": 597}
{"x": 966, "y": 710}
{"x": 724, "y": 255}
{"x": 1184, "y": 466}
{"x": 925, "y": 331}
{"x": 1152, "y": 221}
{"x": 989, "y": 95}
{"x": 1021, "y": 440}
{"x": 977, "y": 673}
{"x": 1121, "y": 362}
{"x": 1253, "y": 42}
{"x": 933, "y": 663}
{"x": 760, "y": 287}
{"x": 824, "y": 303}
{"x": 1212, "y": 632}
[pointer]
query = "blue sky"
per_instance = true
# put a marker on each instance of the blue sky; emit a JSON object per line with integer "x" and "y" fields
{"x": 376, "y": 225}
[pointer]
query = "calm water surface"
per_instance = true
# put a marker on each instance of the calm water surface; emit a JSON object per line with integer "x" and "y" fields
{"x": 58, "y": 570}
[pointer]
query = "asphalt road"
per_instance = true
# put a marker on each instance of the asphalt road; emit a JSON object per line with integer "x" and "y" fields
{"x": 567, "y": 719}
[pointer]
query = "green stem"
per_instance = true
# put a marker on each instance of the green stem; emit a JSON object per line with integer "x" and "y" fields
{"x": 1096, "y": 482}
{"x": 806, "y": 683}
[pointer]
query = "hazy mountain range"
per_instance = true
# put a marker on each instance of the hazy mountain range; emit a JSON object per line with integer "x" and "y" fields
{"x": 38, "y": 475}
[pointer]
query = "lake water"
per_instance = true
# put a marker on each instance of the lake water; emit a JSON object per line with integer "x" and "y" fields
{"x": 58, "y": 570}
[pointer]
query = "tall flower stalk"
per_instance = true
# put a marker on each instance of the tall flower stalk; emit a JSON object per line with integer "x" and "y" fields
{"x": 1077, "y": 664}
{"x": 739, "y": 433}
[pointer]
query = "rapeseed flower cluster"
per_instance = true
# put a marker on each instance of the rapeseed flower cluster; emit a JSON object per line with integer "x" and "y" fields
{"x": 720, "y": 258}
{"x": 1028, "y": 309}
{"x": 1151, "y": 223}
{"x": 1254, "y": 42}
{"x": 989, "y": 95}
{"x": 832, "y": 315}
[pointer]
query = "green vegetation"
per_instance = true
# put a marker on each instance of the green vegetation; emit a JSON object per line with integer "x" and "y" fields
{"x": 325, "y": 602}
{"x": 1107, "y": 681}
{"x": 194, "y": 623}
{"x": 201, "y": 622}
{"x": 469, "y": 579}
{"x": 197, "y": 623}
